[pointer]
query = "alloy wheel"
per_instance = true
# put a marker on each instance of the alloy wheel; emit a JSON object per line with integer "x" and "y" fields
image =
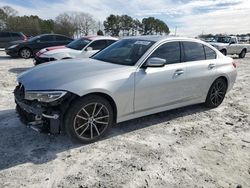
{"x": 218, "y": 92}
{"x": 91, "y": 121}
{"x": 25, "y": 53}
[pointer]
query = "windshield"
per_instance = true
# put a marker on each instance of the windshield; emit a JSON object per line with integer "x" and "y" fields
{"x": 124, "y": 52}
{"x": 78, "y": 44}
{"x": 223, "y": 39}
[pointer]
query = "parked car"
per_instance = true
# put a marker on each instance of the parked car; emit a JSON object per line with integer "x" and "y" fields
{"x": 79, "y": 48}
{"x": 28, "y": 48}
{"x": 229, "y": 45}
{"x": 7, "y": 37}
{"x": 134, "y": 77}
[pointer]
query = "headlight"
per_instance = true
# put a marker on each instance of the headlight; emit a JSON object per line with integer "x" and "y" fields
{"x": 13, "y": 46}
{"x": 44, "y": 96}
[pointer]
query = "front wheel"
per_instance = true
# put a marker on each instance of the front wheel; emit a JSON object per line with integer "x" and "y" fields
{"x": 88, "y": 119}
{"x": 25, "y": 53}
{"x": 216, "y": 93}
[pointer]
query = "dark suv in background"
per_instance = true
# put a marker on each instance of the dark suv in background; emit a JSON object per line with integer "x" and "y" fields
{"x": 7, "y": 37}
{"x": 28, "y": 48}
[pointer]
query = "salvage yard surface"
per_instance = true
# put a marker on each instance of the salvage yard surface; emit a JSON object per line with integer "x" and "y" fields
{"x": 188, "y": 147}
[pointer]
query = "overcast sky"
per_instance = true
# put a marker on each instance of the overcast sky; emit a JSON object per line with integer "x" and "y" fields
{"x": 190, "y": 17}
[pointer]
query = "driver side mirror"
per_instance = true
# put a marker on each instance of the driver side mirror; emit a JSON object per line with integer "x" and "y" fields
{"x": 155, "y": 62}
{"x": 89, "y": 49}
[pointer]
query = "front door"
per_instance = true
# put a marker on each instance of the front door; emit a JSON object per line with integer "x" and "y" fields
{"x": 161, "y": 86}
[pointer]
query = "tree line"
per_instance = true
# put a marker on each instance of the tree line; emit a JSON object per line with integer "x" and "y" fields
{"x": 75, "y": 24}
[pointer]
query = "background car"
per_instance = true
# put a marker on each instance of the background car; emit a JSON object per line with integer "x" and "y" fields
{"x": 28, "y": 48}
{"x": 80, "y": 48}
{"x": 134, "y": 77}
{"x": 7, "y": 37}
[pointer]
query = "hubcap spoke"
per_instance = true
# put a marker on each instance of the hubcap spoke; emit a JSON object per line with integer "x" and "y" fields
{"x": 84, "y": 130}
{"x": 98, "y": 133}
{"x": 102, "y": 117}
{"x": 101, "y": 122}
{"x": 85, "y": 112}
{"x": 98, "y": 111}
{"x": 81, "y": 117}
{"x": 81, "y": 126}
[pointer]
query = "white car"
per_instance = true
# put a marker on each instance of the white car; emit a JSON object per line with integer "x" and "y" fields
{"x": 229, "y": 45}
{"x": 80, "y": 48}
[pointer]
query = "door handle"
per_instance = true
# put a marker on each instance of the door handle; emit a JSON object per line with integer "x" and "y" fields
{"x": 179, "y": 72}
{"x": 211, "y": 66}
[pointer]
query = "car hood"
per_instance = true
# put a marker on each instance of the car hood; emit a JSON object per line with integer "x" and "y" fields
{"x": 218, "y": 44}
{"x": 53, "y": 51}
{"x": 59, "y": 74}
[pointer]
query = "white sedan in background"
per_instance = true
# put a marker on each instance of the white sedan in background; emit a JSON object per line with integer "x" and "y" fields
{"x": 80, "y": 48}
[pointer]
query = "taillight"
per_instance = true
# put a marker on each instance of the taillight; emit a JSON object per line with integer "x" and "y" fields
{"x": 234, "y": 64}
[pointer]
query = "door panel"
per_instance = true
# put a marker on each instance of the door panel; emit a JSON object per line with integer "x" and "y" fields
{"x": 158, "y": 87}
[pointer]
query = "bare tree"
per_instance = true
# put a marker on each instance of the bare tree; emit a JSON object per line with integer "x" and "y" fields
{"x": 9, "y": 11}
{"x": 84, "y": 22}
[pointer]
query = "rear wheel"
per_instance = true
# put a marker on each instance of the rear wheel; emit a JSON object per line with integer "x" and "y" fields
{"x": 243, "y": 53}
{"x": 216, "y": 93}
{"x": 25, "y": 53}
{"x": 89, "y": 119}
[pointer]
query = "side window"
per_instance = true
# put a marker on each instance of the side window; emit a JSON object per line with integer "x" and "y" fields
{"x": 62, "y": 38}
{"x": 98, "y": 44}
{"x": 109, "y": 42}
{"x": 193, "y": 51}
{"x": 47, "y": 38}
{"x": 16, "y": 35}
{"x": 233, "y": 41}
{"x": 210, "y": 54}
{"x": 4, "y": 34}
{"x": 169, "y": 51}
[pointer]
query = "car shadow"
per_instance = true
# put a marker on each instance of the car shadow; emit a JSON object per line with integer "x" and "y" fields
{"x": 19, "y": 70}
{"x": 20, "y": 145}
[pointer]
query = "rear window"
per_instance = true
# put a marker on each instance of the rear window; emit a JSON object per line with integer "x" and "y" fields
{"x": 193, "y": 51}
{"x": 210, "y": 54}
{"x": 15, "y": 35}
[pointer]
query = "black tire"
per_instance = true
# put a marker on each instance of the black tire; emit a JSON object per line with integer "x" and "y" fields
{"x": 25, "y": 53}
{"x": 216, "y": 93}
{"x": 243, "y": 53}
{"x": 79, "y": 121}
{"x": 224, "y": 52}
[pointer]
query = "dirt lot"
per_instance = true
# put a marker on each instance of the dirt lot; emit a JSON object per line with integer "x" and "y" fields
{"x": 188, "y": 147}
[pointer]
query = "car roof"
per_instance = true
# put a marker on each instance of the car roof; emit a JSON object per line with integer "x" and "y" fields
{"x": 52, "y": 35}
{"x": 158, "y": 38}
{"x": 95, "y": 37}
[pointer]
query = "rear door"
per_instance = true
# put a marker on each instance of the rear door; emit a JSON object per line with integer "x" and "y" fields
{"x": 5, "y": 38}
{"x": 201, "y": 68}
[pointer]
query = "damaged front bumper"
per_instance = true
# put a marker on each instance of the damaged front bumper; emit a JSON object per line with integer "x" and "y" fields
{"x": 42, "y": 117}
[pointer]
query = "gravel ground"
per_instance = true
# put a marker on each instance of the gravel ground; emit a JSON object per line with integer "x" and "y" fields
{"x": 188, "y": 147}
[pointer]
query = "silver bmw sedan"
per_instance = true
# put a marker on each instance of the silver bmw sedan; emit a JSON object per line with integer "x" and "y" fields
{"x": 133, "y": 77}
